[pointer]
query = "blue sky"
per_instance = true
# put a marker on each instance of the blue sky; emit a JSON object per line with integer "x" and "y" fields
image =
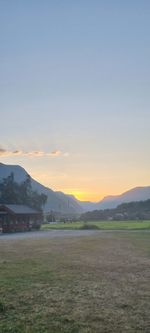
{"x": 75, "y": 86}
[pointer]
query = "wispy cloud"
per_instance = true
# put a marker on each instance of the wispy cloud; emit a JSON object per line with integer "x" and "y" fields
{"x": 34, "y": 153}
{"x": 54, "y": 153}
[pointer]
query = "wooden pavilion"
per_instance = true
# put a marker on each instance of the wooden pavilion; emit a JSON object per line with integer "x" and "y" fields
{"x": 16, "y": 218}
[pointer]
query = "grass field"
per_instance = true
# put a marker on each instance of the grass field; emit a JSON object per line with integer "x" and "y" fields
{"x": 89, "y": 284}
{"x": 102, "y": 225}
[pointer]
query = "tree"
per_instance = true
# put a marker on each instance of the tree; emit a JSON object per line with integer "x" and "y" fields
{"x": 14, "y": 193}
{"x": 9, "y": 190}
{"x": 37, "y": 200}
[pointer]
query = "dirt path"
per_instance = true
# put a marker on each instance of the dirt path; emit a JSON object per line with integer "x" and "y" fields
{"x": 61, "y": 233}
{"x": 47, "y": 234}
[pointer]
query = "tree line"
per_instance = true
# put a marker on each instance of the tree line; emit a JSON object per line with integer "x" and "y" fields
{"x": 12, "y": 192}
{"x": 139, "y": 210}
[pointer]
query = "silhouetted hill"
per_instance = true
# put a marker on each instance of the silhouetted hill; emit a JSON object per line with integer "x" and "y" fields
{"x": 135, "y": 194}
{"x": 57, "y": 201}
{"x": 68, "y": 204}
{"x": 112, "y": 201}
{"x": 138, "y": 210}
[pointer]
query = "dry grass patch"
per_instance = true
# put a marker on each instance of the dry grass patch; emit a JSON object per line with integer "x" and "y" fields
{"x": 75, "y": 285}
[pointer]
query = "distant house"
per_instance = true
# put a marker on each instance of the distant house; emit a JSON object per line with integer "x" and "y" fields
{"x": 15, "y": 218}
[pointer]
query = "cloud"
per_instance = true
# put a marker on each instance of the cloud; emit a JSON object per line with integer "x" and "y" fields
{"x": 2, "y": 151}
{"x": 34, "y": 153}
{"x": 54, "y": 153}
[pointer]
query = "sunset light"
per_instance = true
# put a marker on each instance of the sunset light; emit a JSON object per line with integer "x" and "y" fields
{"x": 74, "y": 95}
{"x": 74, "y": 166}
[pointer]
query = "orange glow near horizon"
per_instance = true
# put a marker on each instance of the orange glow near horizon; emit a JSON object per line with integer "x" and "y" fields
{"x": 78, "y": 193}
{"x": 84, "y": 196}
{"x": 85, "y": 191}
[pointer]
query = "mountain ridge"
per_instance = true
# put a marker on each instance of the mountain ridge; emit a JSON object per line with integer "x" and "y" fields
{"x": 137, "y": 193}
{"x": 56, "y": 202}
{"x": 67, "y": 203}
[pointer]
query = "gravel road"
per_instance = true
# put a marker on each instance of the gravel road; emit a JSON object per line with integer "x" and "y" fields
{"x": 47, "y": 234}
{"x": 62, "y": 233}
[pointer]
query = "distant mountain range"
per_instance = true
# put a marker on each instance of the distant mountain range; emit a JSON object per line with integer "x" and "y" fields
{"x": 112, "y": 201}
{"x": 137, "y": 210}
{"x": 135, "y": 194}
{"x": 68, "y": 204}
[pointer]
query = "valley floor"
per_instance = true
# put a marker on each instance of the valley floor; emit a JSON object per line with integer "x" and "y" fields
{"x": 93, "y": 284}
{"x": 99, "y": 225}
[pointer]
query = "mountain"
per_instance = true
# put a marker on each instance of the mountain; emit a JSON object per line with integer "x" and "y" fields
{"x": 135, "y": 194}
{"x": 87, "y": 206}
{"x": 68, "y": 204}
{"x": 56, "y": 201}
{"x": 137, "y": 210}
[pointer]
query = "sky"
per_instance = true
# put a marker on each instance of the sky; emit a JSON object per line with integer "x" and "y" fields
{"x": 75, "y": 93}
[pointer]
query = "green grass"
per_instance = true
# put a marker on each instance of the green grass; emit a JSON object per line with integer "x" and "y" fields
{"x": 102, "y": 225}
{"x": 88, "y": 284}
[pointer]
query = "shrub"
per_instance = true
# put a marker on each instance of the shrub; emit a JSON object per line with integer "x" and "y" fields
{"x": 87, "y": 226}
